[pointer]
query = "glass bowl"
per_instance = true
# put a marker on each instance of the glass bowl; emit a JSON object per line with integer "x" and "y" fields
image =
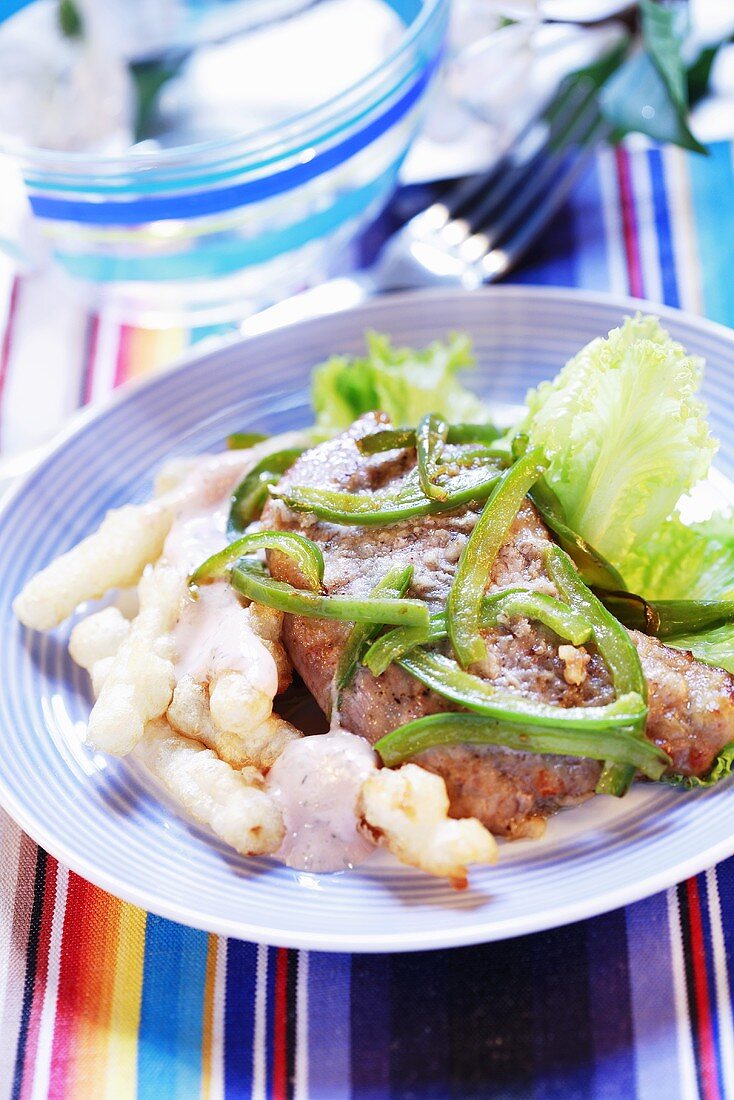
{"x": 213, "y": 230}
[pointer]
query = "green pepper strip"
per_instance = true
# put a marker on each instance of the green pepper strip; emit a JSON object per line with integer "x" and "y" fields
{"x": 381, "y": 509}
{"x": 444, "y": 676}
{"x": 403, "y": 639}
{"x": 563, "y": 620}
{"x": 240, "y": 441}
{"x": 615, "y": 646}
{"x": 464, "y": 604}
{"x": 458, "y": 729}
{"x": 305, "y": 554}
{"x": 253, "y": 583}
{"x": 250, "y": 495}
{"x": 593, "y": 566}
{"x": 666, "y": 618}
{"x": 470, "y": 456}
{"x": 430, "y": 437}
{"x": 399, "y": 438}
{"x": 393, "y": 585}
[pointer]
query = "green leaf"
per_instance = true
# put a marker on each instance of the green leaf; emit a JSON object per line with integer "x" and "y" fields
{"x": 636, "y": 100}
{"x": 648, "y": 93}
{"x": 402, "y": 382}
{"x": 598, "y": 72}
{"x": 682, "y": 562}
{"x": 626, "y": 435}
{"x": 662, "y": 30}
{"x": 699, "y": 73}
{"x": 720, "y": 769}
{"x": 70, "y": 20}
{"x": 149, "y": 77}
{"x": 690, "y": 562}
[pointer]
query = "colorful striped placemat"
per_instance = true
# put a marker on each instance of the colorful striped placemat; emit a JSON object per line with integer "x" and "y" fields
{"x": 99, "y": 999}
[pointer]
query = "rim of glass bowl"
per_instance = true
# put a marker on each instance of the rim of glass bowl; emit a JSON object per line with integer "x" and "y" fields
{"x": 316, "y": 124}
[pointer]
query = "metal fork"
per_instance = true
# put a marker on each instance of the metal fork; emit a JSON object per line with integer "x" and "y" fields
{"x": 483, "y": 225}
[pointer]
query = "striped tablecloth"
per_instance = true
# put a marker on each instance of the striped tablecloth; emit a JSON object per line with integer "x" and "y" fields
{"x": 99, "y": 999}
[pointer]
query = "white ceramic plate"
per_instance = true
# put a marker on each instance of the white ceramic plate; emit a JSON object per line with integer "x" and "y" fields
{"x": 103, "y": 818}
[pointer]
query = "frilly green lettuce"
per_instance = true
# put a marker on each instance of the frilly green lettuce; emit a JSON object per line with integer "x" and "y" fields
{"x": 626, "y": 435}
{"x": 404, "y": 383}
{"x": 690, "y": 562}
{"x": 685, "y": 562}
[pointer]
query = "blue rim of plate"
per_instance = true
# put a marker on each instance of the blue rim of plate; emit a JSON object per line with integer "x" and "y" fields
{"x": 103, "y": 819}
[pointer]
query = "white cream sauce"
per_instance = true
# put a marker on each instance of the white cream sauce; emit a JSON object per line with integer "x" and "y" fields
{"x": 196, "y": 534}
{"x": 316, "y": 782}
{"x": 200, "y": 501}
{"x": 213, "y": 635}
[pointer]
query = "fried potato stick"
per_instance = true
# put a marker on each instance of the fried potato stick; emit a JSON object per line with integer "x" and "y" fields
{"x": 130, "y": 538}
{"x": 113, "y": 557}
{"x": 258, "y": 747}
{"x": 139, "y": 685}
{"x": 217, "y": 795}
{"x": 98, "y": 637}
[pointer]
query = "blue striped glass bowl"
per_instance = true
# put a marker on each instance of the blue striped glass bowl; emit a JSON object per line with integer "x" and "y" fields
{"x": 211, "y": 231}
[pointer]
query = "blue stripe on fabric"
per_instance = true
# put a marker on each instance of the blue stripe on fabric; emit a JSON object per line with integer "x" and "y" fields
{"x": 725, "y": 879}
{"x": 171, "y": 1013}
{"x": 329, "y": 1032}
{"x": 663, "y": 233}
{"x": 561, "y": 1025}
{"x": 491, "y": 1021}
{"x": 420, "y": 1052}
{"x": 212, "y": 260}
{"x": 193, "y": 205}
{"x": 371, "y": 1027}
{"x": 591, "y": 258}
{"x": 552, "y": 261}
{"x": 610, "y": 1008}
{"x": 653, "y": 1001}
{"x": 712, "y": 185}
{"x": 239, "y": 1019}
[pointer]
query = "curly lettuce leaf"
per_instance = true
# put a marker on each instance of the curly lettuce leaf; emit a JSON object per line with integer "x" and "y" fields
{"x": 402, "y": 382}
{"x": 626, "y": 435}
{"x": 690, "y": 562}
{"x": 720, "y": 769}
{"x": 685, "y": 562}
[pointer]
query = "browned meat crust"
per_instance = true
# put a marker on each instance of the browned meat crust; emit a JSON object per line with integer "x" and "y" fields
{"x": 691, "y": 705}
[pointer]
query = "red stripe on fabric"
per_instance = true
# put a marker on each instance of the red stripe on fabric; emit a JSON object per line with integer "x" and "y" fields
{"x": 629, "y": 222}
{"x": 280, "y": 1027}
{"x": 70, "y": 999}
{"x": 90, "y": 357}
{"x": 41, "y": 975}
{"x": 122, "y": 363}
{"x": 707, "y": 1045}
